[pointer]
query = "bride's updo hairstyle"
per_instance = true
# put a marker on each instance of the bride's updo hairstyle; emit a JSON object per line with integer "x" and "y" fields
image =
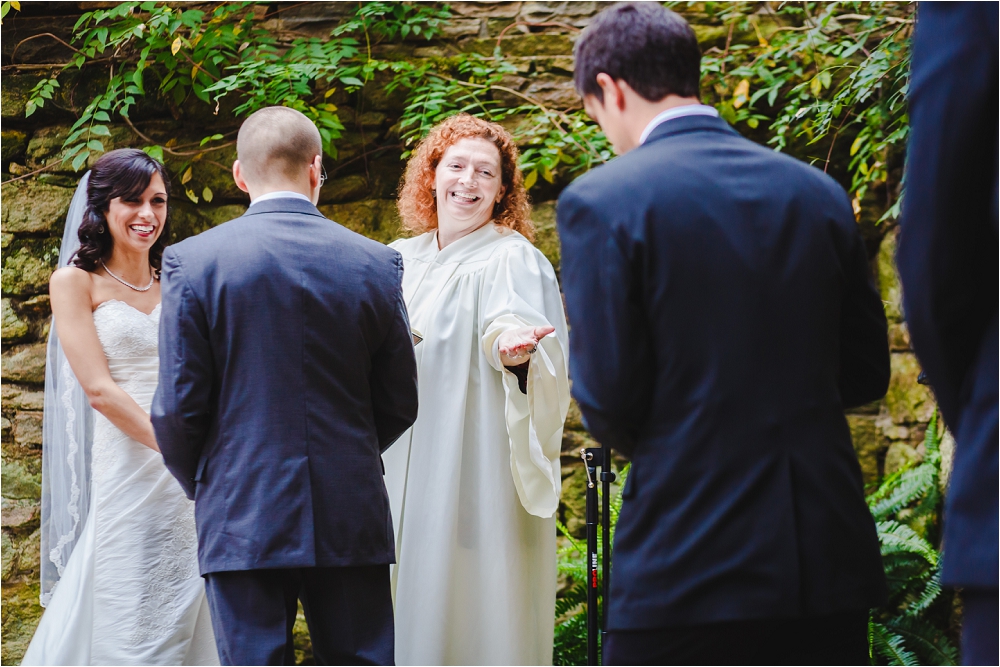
{"x": 417, "y": 205}
{"x": 124, "y": 173}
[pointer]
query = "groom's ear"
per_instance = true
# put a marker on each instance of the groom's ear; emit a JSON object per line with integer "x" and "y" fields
{"x": 614, "y": 96}
{"x": 238, "y": 177}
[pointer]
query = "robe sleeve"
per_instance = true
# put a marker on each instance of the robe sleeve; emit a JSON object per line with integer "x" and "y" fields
{"x": 520, "y": 289}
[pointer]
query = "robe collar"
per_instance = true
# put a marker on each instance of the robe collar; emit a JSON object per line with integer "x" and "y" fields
{"x": 465, "y": 247}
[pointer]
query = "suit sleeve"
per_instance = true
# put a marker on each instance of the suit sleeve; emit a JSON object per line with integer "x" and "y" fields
{"x": 864, "y": 341}
{"x": 609, "y": 340}
{"x": 948, "y": 237}
{"x": 394, "y": 372}
{"x": 181, "y": 411}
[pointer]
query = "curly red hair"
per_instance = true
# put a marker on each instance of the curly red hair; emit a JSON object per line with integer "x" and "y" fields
{"x": 417, "y": 205}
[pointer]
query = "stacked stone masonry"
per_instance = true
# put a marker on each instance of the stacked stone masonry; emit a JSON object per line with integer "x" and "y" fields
{"x": 360, "y": 195}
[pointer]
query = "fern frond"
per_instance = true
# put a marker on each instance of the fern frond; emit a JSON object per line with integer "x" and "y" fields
{"x": 885, "y": 488}
{"x": 891, "y": 646}
{"x": 932, "y": 589}
{"x": 577, "y": 545}
{"x": 569, "y": 646}
{"x": 895, "y": 537}
{"x": 573, "y": 598}
{"x": 932, "y": 645}
{"x": 912, "y": 484}
{"x": 932, "y": 438}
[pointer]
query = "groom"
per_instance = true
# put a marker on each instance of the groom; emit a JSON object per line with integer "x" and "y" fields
{"x": 286, "y": 369}
{"x": 723, "y": 316}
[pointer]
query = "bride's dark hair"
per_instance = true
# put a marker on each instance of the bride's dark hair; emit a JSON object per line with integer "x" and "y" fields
{"x": 124, "y": 173}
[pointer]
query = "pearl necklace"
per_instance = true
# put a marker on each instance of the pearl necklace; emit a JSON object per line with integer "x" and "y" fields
{"x": 127, "y": 284}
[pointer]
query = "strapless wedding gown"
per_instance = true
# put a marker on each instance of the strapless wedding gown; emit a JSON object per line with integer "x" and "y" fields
{"x": 131, "y": 593}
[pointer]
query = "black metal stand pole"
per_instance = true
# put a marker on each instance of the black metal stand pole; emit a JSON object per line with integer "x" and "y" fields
{"x": 591, "y": 511}
{"x": 606, "y": 478}
{"x": 595, "y": 458}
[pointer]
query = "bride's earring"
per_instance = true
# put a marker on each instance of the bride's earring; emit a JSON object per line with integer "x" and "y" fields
{"x": 100, "y": 230}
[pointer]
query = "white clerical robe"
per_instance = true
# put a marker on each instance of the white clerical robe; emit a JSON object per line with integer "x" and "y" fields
{"x": 475, "y": 483}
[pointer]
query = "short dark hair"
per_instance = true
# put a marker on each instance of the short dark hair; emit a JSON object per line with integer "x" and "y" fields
{"x": 126, "y": 173}
{"x": 644, "y": 44}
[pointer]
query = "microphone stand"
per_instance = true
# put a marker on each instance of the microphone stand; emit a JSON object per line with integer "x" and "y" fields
{"x": 594, "y": 458}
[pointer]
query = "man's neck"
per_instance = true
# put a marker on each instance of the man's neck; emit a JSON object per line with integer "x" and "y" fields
{"x": 259, "y": 191}
{"x": 645, "y": 111}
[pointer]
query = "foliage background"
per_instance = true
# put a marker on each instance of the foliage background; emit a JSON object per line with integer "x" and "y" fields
{"x": 822, "y": 81}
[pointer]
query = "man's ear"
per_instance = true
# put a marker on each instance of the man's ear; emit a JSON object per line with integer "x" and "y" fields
{"x": 315, "y": 171}
{"x": 614, "y": 96}
{"x": 238, "y": 177}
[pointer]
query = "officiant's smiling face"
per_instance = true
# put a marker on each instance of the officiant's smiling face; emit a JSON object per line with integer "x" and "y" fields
{"x": 468, "y": 183}
{"x": 137, "y": 222}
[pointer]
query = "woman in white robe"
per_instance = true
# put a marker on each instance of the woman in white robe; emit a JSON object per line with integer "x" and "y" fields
{"x": 474, "y": 484}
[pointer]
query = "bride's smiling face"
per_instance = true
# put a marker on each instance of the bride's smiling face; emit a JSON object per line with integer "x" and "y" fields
{"x": 467, "y": 184}
{"x": 136, "y": 223}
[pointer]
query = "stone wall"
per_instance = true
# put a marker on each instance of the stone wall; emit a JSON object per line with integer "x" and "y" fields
{"x": 359, "y": 195}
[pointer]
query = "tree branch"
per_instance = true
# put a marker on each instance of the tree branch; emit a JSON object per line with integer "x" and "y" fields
{"x": 150, "y": 140}
{"x": 42, "y": 34}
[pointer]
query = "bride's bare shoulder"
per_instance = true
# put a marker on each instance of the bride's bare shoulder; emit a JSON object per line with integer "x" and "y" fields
{"x": 71, "y": 280}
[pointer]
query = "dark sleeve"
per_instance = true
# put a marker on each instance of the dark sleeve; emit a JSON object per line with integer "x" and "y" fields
{"x": 609, "y": 342}
{"x": 394, "y": 373}
{"x": 864, "y": 341}
{"x": 521, "y": 373}
{"x": 947, "y": 257}
{"x": 181, "y": 410}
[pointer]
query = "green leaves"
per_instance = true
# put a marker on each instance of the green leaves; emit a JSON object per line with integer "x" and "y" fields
{"x": 554, "y": 144}
{"x": 155, "y": 152}
{"x": 910, "y": 629}
{"x": 43, "y": 90}
{"x": 7, "y": 6}
{"x": 819, "y": 74}
{"x": 898, "y": 538}
{"x": 197, "y": 56}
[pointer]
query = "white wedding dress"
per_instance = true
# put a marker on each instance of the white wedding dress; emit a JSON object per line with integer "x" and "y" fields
{"x": 130, "y": 593}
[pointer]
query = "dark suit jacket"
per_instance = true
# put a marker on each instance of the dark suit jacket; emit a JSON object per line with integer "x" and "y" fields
{"x": 948, "y": 262}
{"x": 286, "y": 368}
{"x": 723, "y": 316}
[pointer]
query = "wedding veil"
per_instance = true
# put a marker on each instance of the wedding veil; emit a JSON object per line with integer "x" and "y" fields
{"x": 67, "y": 436}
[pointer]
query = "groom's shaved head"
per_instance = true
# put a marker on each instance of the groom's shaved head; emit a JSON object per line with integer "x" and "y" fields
{"x": 277, "y": 143}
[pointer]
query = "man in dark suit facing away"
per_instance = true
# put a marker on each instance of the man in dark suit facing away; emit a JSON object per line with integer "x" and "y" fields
{"x": 948, "y": 262}
{"x": 286, "y": 368}
{"x": 723, "y": 316}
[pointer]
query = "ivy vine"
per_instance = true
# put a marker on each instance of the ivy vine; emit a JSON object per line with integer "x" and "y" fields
{"x": 826, "y": 81}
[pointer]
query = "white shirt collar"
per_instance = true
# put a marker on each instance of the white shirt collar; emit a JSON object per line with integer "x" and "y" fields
{"x": 677, "y": 112}
{"x": 280, "y": 194}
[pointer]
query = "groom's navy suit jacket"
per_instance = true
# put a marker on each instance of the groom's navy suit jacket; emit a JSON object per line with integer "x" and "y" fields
{"x": 723, "y": 316}
{"x": 286, "y": 368}
{"x": 948, "y": 262}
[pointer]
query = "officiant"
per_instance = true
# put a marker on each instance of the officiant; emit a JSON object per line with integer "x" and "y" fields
{"x": 474, "y": 484}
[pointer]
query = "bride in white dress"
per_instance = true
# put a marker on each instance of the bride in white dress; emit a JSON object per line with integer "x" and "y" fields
{"x": 122, "y": 548}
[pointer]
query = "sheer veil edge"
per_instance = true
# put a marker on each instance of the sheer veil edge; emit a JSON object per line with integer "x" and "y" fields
{"x": 67, "y": 436}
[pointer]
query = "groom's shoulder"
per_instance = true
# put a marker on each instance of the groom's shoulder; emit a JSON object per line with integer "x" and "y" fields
{"x": 210, "y": 237}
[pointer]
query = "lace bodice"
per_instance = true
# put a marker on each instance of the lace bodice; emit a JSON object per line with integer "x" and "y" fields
{"x": 125, "y": 331}
{"x": 129, "y": 338}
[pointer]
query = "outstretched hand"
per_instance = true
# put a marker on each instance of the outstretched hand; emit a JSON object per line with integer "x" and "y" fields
{"x": 516, "y": 345}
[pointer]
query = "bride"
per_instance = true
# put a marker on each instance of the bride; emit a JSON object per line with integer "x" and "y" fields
{"x": 122, "y": 547}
